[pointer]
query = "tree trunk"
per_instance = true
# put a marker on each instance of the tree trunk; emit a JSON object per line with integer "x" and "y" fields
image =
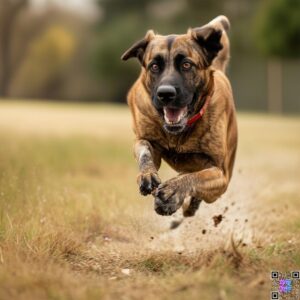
{"x": 275, "y": 103}
{"x": 9, "y": 14}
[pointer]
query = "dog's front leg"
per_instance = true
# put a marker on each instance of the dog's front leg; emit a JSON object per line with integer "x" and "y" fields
{"x": 149, "y": 161}
{"x": 207, "y": 185}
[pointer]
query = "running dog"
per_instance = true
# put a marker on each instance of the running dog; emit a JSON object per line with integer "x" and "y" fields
{"x": 183, "y": 112}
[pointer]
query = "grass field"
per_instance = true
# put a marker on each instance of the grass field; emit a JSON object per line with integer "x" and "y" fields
{"x": 73, "y": 226}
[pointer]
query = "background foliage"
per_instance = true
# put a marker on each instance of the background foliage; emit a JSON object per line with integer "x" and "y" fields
{"x": 278, "y": 28}
{"x": 59, "y": 53}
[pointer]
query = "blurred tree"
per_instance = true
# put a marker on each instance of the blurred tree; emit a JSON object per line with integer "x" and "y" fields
{"x": 106, "y": 61}
{"x": 278, "y": 28}
{"x": 115, "y": 8}
{"x": 25, "y": 49}
{"x": 46, "y": 61}
{"x": 278, "y": 37}
{"x": 9, "y": 14}
{"x": 119, "y": 27}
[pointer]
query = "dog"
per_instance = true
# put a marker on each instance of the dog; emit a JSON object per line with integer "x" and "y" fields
{"x": 183, "y": 112}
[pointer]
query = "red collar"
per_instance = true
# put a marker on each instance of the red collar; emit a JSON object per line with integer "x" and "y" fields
{"x": 199, "y": 115}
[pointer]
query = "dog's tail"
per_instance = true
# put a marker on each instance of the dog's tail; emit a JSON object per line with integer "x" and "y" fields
{"x": 222, "y": 60}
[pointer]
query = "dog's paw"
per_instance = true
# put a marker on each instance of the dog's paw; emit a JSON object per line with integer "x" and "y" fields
{"x": 148, "y": 182}
{"x": 165, "y": 208}
{"x": 169, "y": 197}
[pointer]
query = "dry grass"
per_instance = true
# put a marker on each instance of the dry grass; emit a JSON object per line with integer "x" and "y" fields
{"x": 71, "y": 217}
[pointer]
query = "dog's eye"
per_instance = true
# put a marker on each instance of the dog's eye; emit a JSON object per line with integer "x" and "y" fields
{"x": 186, "y": 66}
{"x": 154, "y": 68}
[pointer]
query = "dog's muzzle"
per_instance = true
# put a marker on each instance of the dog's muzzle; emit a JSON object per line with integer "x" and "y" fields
{"x": 173, "y": 114}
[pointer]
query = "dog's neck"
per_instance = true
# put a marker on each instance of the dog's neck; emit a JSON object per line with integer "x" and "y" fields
{"x": 204, "y": 100}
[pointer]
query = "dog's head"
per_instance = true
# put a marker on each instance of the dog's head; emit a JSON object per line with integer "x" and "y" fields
{"x": 175, "y": 71}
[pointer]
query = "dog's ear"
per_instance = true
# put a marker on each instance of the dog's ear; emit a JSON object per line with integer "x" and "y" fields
{"x": 209, "y": 39}
{"x": 138, "y": 49}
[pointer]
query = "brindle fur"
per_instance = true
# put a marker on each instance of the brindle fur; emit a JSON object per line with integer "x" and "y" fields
{"x": 202, "y": 154}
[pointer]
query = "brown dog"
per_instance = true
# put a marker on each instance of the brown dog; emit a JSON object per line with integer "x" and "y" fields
{"x": 183, "y": 112}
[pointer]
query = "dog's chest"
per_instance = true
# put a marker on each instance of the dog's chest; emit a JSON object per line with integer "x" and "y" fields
{"x": 191, "y": 151}
{"x": 186, "y": 162}
{"x": 188, "y": 154}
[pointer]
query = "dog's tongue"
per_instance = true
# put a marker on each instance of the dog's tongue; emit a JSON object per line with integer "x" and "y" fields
{"x": 174, "y": 115}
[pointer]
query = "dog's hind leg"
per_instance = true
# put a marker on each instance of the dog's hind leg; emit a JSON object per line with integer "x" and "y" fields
{"x": 190, "y": 206}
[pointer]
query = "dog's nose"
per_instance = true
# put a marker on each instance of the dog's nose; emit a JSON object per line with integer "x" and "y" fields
{"x": 166, "y": 93}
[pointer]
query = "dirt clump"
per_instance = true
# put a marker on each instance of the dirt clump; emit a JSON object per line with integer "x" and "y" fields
{"x": 217, "y": 220}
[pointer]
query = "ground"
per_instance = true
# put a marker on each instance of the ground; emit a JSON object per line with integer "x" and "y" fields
{"x": 73, "y": 225}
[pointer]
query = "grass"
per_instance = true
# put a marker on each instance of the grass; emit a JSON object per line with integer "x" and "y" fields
{"x": 73, "y": 226}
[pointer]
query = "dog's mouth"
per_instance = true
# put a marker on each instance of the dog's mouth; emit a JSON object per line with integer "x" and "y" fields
{"x": 174, "y": 116}
{"x": 175, "y": 119}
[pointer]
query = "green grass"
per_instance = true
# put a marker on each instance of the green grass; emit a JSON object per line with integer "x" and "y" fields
{"x": 71, "y": 217}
